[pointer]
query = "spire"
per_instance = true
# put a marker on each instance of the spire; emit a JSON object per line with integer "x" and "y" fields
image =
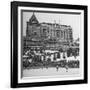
{"x": 59, "y": 21}
{"x": 33, "y": 19}
{"x": 33, "y": 12}
{"x": 55, "y": 22}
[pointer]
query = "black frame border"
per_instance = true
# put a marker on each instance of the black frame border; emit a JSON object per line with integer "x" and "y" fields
{"x": 14, "y": 44}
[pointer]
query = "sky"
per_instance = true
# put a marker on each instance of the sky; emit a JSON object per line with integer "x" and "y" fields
{"x": 74, "y": 20}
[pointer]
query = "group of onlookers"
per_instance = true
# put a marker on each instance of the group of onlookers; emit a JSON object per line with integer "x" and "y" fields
{"x": 41, "y": 57}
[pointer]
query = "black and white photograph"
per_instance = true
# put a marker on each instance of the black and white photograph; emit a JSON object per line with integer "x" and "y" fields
{"x": 50, "y": 44}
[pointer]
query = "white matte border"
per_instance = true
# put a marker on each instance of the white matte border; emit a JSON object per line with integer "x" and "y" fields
{"x": 50, "y": 78}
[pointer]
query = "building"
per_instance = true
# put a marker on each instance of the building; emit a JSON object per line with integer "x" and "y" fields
{"x": 47, "y": 34}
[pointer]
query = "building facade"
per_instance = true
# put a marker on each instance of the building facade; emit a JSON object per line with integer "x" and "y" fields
{"x": 48, "y": 34}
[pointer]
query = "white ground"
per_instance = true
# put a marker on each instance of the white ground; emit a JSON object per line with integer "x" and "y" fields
{"x": 50, "y": 72}
{"x": 53, "y": 71}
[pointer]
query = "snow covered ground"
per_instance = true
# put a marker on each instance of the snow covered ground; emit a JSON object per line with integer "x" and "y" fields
{"x": 50, "y": 72}
{"x": 53, "y": 71}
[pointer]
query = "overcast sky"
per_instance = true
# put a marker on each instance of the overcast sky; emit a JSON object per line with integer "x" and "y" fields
{"x": 65, "y": 19}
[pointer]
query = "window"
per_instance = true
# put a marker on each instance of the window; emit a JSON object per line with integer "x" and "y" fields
{"x": 35, "y": 33}
{"x": 44, "y": 31}
{"x": 57, "y": 33}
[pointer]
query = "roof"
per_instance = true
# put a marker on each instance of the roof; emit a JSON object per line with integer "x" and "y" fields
{"x": 33, "y": 19}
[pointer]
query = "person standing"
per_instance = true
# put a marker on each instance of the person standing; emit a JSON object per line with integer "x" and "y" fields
{"x": 57, "y": 67}
{"x": 66, "y": 66}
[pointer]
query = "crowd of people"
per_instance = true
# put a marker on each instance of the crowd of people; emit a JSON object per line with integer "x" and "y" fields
{"x": 41, "y": 58}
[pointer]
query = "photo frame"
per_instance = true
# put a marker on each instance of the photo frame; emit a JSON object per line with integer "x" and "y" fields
{"x": 48, "y": 44}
